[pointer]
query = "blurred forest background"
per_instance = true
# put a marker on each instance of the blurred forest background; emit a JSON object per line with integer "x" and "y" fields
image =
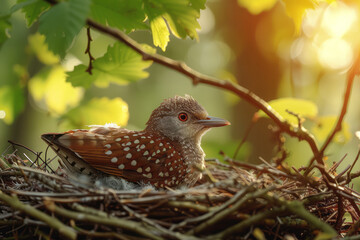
{"x": 277, "y": 49}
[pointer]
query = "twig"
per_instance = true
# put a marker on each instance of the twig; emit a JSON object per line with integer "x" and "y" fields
{"x": 224, "y": 213}
{"x": 189, "y": 205}
{"x": 108, "y": 221}
{"x": 248, "y": 222}
{"x": 243, "y": 140}
{"x": 169, "y": 233}
{"x": 53, "y": 222}
{"x": 349, "y": 175}
{"x": 338, "y": 126}
{"x": 87, "y": 51}
{"x": 98, "y": 235}
{"x": 240, "y": 194}
{"x": 298, "y": 209}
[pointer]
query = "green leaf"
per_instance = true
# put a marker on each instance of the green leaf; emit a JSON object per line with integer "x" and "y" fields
{"x": 198, "y": 4}
{"x": 20, "y": 4}
{"x": 159, "y": 28}
{"x": 62, "y": 23}
{"x": 4, "y": 28}
{"x": 97, "y": 111}
{"x": 32, "y": 9}
{"x": 123, "y": 14}
{"x": 12, "y": 102}
{"x": 52, "y": 92}
{"x": 181, "y": 16}
{"x": 324, "y": 126}
{"x": 303, "y": 108}
{"x": 119, "y": 65}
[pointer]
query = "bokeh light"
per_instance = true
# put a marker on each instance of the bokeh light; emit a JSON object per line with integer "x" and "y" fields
{"x": 328, "y": 37}
{"x": 338, "y": 18}
{"x": 335, "y": 53}
{"x": 2, "y": 114}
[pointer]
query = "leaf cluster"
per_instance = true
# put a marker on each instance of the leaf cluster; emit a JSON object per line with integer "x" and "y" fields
{"x": 57, "y": 25}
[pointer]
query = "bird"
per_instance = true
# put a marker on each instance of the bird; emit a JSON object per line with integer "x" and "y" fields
{"x": 166, "y": 154}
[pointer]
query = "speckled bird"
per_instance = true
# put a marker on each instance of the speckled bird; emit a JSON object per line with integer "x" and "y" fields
{"x": 166, "y": 153}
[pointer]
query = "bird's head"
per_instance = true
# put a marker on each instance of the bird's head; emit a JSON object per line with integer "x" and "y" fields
{"x": 182, "y": 118}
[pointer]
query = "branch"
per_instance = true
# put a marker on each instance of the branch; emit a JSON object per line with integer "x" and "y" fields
{"x": 197, "y": 77}
{"x": 87, "y": 51}
{"x": 350, "y": 79}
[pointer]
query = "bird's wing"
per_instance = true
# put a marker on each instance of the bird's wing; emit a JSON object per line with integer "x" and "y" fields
{"x": 134, "y": 156}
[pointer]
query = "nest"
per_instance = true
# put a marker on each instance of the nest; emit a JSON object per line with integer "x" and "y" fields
{"x": 234, "y": 200}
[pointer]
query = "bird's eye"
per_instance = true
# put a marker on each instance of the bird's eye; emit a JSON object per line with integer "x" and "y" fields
{"x": 183, "y": 117}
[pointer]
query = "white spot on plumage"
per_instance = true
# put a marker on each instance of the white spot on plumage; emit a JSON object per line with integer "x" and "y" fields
{"x": 157, "y": 161}
{"x": 139, "y": 170}
{"x": 126, "y": 136}
{"x": 128, "y": 156}
{"x": 135, "y": 135}
{"x": 148, "y": 169}
{"x": 166, "y": 174}
{"x": 149, "y": 158}
{"x": 161, "y": 174}
{"x": 108, "y": 152}
{"x": 152, "y": 141}
{"x": 161, "y": 144}
{"x": 153, "y": 154}
{"x": 121, "y": 166}
{"x": 142, "y": 146}
{"x": 164, "y": 149}
{"x": 128, "y": 144}
{"x": 114, "y": 159}
{"x": 171, "y": 169}
{"x": 158, "y": 151}
{"x": 126, "y": 149}
{"x": 136, "y": 141}
{"x": 118, "y": 139}
{"x": 149, "y": 175}
{"x": 133, "y": 163}
{"x": 146, "y": 153}
{"x": 107, "y": 146}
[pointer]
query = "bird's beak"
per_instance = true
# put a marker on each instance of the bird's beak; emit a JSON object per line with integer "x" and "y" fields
{"x": 213, "y": 122}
